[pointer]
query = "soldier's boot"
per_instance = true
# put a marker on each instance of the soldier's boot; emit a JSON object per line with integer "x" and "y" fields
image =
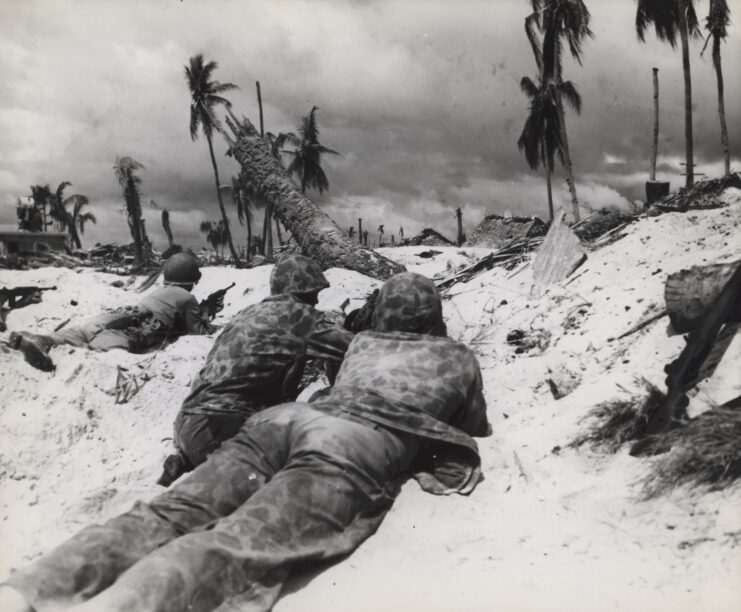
{"x": 34, "y": 350}
{"x": 175, "y": 466}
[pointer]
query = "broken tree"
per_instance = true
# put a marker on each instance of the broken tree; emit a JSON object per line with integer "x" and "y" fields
{"x": 317, "y": 234}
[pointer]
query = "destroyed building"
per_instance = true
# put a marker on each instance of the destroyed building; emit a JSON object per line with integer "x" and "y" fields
{"x": 495, "y": 231}
{"x": 428, "y": 237}
{"x": 18, "y": 242}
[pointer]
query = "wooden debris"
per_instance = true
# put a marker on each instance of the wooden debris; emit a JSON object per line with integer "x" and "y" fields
{"x": 690, "y": 293}
{"x": 639, "y": 326}
{"x": 702, "y": 195}
{"x": 508, "y": 256}
{"x": 558, "y": 257}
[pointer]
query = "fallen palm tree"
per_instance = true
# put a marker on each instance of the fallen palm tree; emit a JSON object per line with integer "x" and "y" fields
{"x": 318, "y": 236}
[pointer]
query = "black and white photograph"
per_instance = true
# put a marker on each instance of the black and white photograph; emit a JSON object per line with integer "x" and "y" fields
{"x": 362, "y": 305}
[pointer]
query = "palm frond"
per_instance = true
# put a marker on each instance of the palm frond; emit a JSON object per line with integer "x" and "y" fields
{"x": 528, "y": 87}
{"x": 568, "y": 92}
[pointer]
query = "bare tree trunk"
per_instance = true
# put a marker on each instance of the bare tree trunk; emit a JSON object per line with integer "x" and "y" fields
{"x": 249, "y": 235}
{"x": 360, "y": 230}
{"x": 459, "y": 215}
{"x": 318, "y": 236}
{"x": 689, "y": 148}
{"x": 267, "y": 232}
{"x": 232, "y": 250}
{"x": 655, "y": 148}
{"x": 259, "y": 104}
{"x": 721, "y": 105}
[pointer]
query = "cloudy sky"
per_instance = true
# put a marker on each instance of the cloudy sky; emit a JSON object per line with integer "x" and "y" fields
{"x": 420, "y": 97}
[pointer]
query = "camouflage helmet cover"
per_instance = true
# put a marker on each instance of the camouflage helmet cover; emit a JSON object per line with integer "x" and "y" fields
{"x": 409, "y": 302}
{"x": 297, "y": 274}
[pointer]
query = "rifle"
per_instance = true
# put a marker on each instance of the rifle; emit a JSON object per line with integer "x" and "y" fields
{"x": 214, "y": 303}
{"x": 18, "y": 297}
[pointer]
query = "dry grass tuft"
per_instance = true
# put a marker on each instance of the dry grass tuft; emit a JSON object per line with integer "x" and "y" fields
{"x": 706, "y": 451}
{"x": 615, "y": 422}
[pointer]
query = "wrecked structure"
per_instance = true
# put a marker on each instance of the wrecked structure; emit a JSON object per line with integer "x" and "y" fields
{"x": 495, "y": 231}
{"x": 20, "y": 242}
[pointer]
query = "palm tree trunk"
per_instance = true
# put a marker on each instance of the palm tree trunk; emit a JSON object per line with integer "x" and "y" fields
{"x": 721, "y": 105}
{"x": 267, "y": 232}
{"x": 655, "y": 148}
{"x": 684, "y": 36}
{"x": 232, "y": 250}
{"x": 548, "y": 172}
{"x": 74, "y": 234}
{"x": 249, "y": 236}
{"x": 320, "y": 237}
{"x": 562, "y": 128}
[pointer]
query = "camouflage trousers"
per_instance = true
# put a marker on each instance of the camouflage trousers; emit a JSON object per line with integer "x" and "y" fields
{"x": 294, "y": 485}
{"x": 198, "y": 435}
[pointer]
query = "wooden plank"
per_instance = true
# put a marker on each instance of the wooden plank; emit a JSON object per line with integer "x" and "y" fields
{"x": 559, "y": 255}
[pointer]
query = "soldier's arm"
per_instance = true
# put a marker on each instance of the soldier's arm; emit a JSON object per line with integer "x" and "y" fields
{"x": 472, "y": 418}
{"x": 196, "y": 321}
{"x": 328, "y": 341}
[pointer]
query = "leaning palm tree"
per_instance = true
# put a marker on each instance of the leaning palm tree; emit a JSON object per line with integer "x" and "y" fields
{"x": 307, "y": 157}
{"x": 719, "y": 16}
{"x": 557, "y": 20}
{"x": 205, "y": 97}
{"x": 314, "y": 232}
{"x": 125, "y": 169}
{"x": 669, "y": 18}
{"x": 80, "y": 219}
{"x": 215, "y": 235}
{"x": 541, "y": 139}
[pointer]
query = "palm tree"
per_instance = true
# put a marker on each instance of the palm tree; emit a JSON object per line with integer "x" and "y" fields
{"x": 541, "y": 139}
{"x": 719, "y": 16}
{"x": 124, "y": 169}
{"x": 73, "y": 221}
{"x": 216, "y": 235}
{"x": 306, "y": 163}
{"x": 43, "y": 200}
{"x": 557, "y": 19}
{"x": 167, "y": 228}
{"x": 204, "y": 99}
{"x": 669, "y": 18}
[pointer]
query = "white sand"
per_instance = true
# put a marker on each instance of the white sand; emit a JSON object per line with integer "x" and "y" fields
{"x": 544, "y": 531}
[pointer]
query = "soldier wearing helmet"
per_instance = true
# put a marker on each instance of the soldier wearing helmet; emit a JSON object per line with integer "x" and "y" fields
{"x": 298, "y": 483}
{"x": 257, "y": 361}
{"x": 167, "y": 312}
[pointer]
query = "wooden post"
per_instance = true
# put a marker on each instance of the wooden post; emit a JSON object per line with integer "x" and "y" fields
{"x": 459, "y": 215}
{"x": 655, "y": 151}
{"x": 365, "y": 237}
{"x": 360, "y": 230}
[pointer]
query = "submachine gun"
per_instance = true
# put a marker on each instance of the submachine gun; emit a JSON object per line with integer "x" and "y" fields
{"x": 18, "y": 297}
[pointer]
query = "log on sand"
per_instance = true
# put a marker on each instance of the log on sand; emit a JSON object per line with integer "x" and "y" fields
{"x": 317, "y": 234}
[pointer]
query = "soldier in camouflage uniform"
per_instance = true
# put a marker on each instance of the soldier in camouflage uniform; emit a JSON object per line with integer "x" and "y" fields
{"x": 298, "y": 483}
{"x": 165, "y": 313}
{"x": 256, "y": 362}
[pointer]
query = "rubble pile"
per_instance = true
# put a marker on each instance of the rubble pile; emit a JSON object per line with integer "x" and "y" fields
{"x": 496, "y": 231}
{"x": 702, "y": 195}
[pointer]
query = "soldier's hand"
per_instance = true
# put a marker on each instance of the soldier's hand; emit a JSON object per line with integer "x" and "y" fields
{"x": 218, "y": 304}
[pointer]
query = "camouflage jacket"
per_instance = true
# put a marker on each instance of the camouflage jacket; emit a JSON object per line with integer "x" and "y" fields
{"x": 258, "y": 358}
{"x": 422, "y": 385}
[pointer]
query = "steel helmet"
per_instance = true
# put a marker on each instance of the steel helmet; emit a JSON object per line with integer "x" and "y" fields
{"x": 409, "y": 302}
{"x": 297, "y": 274}
{"x": 181, "y": 269}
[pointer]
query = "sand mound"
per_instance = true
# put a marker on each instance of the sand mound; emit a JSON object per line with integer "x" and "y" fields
{"x": 551, "y": 526}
